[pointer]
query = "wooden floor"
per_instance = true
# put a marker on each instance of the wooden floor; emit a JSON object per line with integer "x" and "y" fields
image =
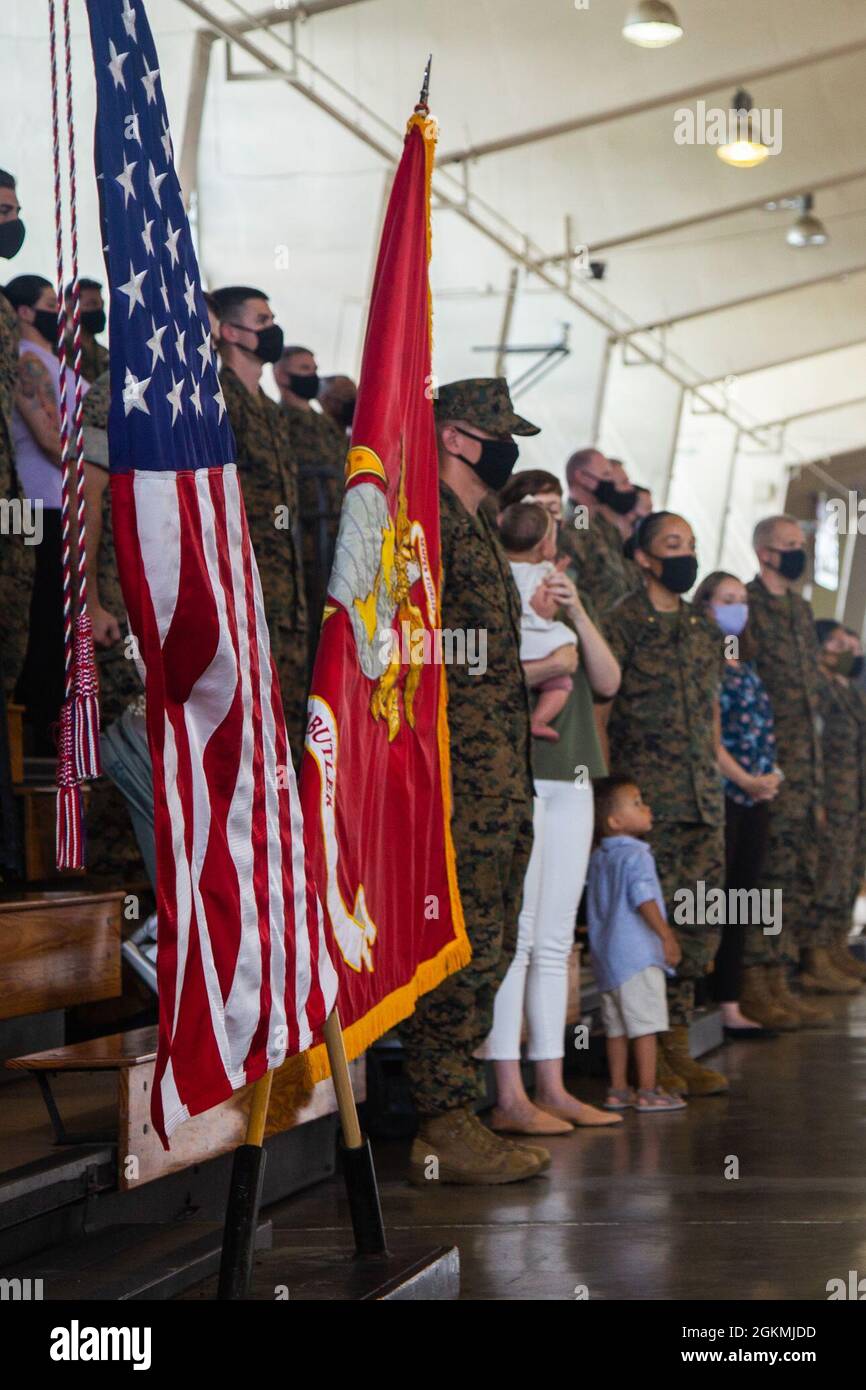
{"x": 646, "y": 1211}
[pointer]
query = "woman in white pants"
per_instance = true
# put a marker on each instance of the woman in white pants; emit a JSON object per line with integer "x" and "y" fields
{"x": 537, "y": 980}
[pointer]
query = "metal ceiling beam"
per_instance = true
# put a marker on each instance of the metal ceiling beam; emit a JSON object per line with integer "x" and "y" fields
{"x": 816, "y": 410}
{"x": 227, "y": 31}
{"x": 265, "y": 19}
{"x": 715, "y": 214}
{"x": 801, "y": 356}
{"x": 752, "y": 298}
{"x": 187, "y": 169}
{"x": 505, "y": 328}
{"x": 637, "y": 108}
{"x": 486, "y": 220}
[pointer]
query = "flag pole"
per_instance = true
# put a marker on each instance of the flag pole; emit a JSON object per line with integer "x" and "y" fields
{"x": 245, "y": 1194}
{"x": 359, "y": 1171}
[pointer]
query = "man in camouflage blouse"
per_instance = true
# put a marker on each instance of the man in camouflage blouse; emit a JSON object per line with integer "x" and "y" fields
{"x": 488, "y": 721}
{"x": 94, "y": 357}
{"x": 839, "y": 842}
{"x": 248, "y": 339}
{"x": 843, "y": 958}
{"x": 16, "y": 558}
{"x": 588, "y": 534}
{"x": 783, "y": 627}
{"x": 318, "y": 448}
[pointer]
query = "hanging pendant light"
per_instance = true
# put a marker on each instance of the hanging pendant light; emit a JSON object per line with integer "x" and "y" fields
{"x": 652, "y": 24}
{"x": 808, "y": 230}
{"x": 748, "y": 149}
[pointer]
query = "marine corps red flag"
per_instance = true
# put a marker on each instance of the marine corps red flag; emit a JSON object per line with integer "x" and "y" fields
{"x": 375, "y": 775}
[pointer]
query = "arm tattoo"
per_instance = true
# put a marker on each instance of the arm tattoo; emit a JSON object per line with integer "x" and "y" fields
{"x": 35, "y": 393}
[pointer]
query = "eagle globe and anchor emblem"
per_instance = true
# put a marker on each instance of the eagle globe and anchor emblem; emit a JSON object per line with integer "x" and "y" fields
{"x": 378, "y": 559}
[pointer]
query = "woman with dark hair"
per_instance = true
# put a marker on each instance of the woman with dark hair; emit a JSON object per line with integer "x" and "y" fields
{"x": 36, "y": 438}
{"x": 663, "y": 733}
{"x": 543, "y": 487}
{"x": 747, "y": 758}
{"x": 536, "y": 985}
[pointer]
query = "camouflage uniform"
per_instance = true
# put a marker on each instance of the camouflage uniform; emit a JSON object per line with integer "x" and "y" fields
{"x": 857, "y": 700}
{"x": 319, "y": 452}
{"x": 787, "y": 662}
{"x": 111, "y": 844}
{"x": 604, "y": 575}
{"x": 488, "y": 720}
{"x": 16, "y": 558}
{"x": 94, "y": 358}
{"x": 662, "y": 733}
{"x": 839, "y": 840}
{"x": 268, "y": 481}
{"x": 119, "y": 681}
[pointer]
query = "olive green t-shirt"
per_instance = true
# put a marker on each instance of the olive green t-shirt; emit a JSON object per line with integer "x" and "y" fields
{"x": 578, "y": 747}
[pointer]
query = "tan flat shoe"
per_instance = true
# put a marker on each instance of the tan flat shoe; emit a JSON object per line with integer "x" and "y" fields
{"x": 501, "y": 1122}
{"x": 590, "y": 1116}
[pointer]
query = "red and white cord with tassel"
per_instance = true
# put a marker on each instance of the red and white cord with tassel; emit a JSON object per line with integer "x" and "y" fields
{"x": 78, "y": 742}
{"x": 85, "y": 720}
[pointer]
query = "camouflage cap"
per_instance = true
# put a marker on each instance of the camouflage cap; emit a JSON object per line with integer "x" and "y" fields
{"x": 485, "y": 402}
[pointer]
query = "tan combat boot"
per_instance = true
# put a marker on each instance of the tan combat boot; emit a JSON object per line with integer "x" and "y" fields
{"x": 700, "y": 1081}
{"x": 845, "y": 961}
{"x": 495, "y": 1143}
{"x": 666, "y": 1077}
{"x": 820, "y": 975}
{"x": 465, "y": 1152}
{"x": 756, "y": 1002}
{"x": 811, "y": 1015}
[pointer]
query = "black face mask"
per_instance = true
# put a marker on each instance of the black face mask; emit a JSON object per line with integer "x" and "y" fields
{"x": 791, "y": 562}
{"x": 11, "y": 238}
{"x": 604, "y": 492}
{"x": 856, "y": 668}
{"x": 93, "y": 321}
{"x": 45, "y": 322}
{"x": 679, "y": 572}
{"x": 496, "y": 464}
{"x": 269, "y": 344}
{"x": 307, "y": 387}
{"x": 619, "y": 502}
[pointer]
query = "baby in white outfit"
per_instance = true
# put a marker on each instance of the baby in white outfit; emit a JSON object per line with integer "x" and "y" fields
{"x": 528, "y": 533}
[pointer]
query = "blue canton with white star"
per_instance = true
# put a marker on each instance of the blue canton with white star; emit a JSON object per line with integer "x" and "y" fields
{"x": 167, "y": 409}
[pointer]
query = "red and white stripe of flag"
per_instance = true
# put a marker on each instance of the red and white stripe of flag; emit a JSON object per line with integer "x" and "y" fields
{"x": 245, "y": 977}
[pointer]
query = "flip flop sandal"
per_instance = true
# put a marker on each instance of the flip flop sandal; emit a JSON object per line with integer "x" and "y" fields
{"x": 619, "y": 1100}
{"x": 657, "y": 1102}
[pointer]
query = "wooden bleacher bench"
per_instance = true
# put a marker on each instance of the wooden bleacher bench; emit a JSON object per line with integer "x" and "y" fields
{"x": 132, "y": 1056}
{"x": 58, "y": 949}
{"x": 39, "y": 802}
{"x": 118, "y": 1053}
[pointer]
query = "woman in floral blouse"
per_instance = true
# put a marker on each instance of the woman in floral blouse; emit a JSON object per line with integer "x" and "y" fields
{"x": 747, "y": 759}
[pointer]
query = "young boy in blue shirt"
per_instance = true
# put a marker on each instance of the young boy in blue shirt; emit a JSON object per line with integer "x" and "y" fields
{"x": 632, "y": 945}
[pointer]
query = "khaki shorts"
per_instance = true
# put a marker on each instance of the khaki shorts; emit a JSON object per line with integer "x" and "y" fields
{"x": 638, "y": 1007}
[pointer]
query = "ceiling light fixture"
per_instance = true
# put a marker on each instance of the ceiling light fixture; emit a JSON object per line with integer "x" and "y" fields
{"x": 808, "y": 230}
{"x": 747, "y": 148}
{"x": 652, "y": 24}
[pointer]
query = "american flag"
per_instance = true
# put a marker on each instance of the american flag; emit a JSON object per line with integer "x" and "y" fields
{"x": 245, "y": 977}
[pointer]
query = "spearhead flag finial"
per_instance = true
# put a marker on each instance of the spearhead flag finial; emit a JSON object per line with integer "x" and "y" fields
{"x": 425, "y": 86}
